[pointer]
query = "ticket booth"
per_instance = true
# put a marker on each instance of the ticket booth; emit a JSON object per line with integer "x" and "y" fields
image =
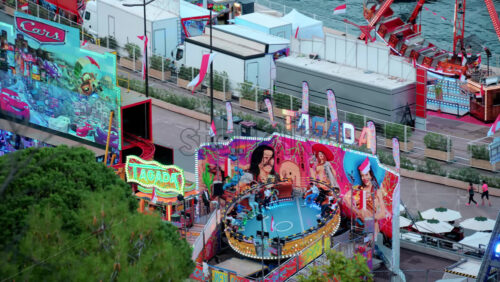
{"x": 484, "y": 98}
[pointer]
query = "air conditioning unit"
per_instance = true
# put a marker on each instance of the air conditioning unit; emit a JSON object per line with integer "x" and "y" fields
{"x": 492, "y": 80}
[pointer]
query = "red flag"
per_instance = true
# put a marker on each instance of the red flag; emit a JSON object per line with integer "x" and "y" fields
{"x": 145, "y": 39}
{"x": 296, "y": 32}
{"x": 340, "y": 9}
{"x": 24, "y": 7}
{"x": 481, "y": 93}
{"x": 479, "y": 59}
{"x": 272, "y": 223}
{"x": 206, "y": 60}
{"x": 213, "y": 130}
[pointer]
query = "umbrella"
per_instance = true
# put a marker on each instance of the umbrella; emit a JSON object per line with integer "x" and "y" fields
{"x": 433, "y": 226}
{"x": 478, "y": 223}
{"x": 442, "y": 214}
{"x": 476, "y": 239}
{"x": 404, "y": 222}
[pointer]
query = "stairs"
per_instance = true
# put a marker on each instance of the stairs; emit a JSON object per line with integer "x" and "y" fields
{"x": 193, "y": 232}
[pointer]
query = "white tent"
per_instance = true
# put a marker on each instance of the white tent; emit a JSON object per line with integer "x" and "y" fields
{"x": 478, "y": 224}
{"x": 442, "y": 214}
{"x": 476, "y": 239}
{"x": 433, "y": 226}
{"x": 308, "y": 27}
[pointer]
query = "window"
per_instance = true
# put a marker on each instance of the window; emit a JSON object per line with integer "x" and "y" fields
{"x": 87, "y": 16}
{"x": 496, "y": 99}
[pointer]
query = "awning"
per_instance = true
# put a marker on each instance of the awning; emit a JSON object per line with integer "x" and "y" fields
{"x": 307, "y": 27}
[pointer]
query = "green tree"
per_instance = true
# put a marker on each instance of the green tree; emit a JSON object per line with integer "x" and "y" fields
{"x": 65, "y": 217}
{"x": 339, "y": 268}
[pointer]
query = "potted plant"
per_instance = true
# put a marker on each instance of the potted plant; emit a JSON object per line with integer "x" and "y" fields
{"x": 133, "y": 61}
{"x": 222, "y": 90}
{"x": 185, "y": 75}
{"x": 402, "y": 132}
{"x": 158, "y": 68}
{"x": 250, "y": 98}
{"x": 10, "y": 7}
{"x": 280, "y": 102}
{"x": 480, "y": 157}
{"x": 438, "y": 147}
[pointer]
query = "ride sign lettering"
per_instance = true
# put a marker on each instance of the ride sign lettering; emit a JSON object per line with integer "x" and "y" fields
{"x": 166, "y": 178}
{"x": 41, "y": 32}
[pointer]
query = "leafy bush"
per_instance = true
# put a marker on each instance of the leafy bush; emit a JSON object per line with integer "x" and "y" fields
{"x": 248, "y": 92}
{"x": 133, "y": 50}
{"x": 156, "y": 63}
{"x": 188, "y": 73}
{"x": 386, "y": 158}
{"x": 397, "y": 130}
{"x": 316, "y": 110}
{"x": 465, "y": 174}
{"x": 357, "y": 120}
{"x": 219, "y": 83}
{"x": 491, "y": 181}
{"x": 110, "y": 42}
{"x": 406, "y": 163}
{"x": 431, "y": 167}
{"x": 281, "y": 100}
{"x": 479, "y": 152}
{"x": 437, "y": 141}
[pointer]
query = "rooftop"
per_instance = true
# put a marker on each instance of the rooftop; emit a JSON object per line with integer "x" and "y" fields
{"x": 235, "y": 48}
{"x": 252, "y": 34}
{"x": 263, "y": 20}
{"x": 346, "y": 72}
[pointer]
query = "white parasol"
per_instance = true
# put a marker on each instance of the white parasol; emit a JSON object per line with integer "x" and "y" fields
{"x": 441, "y": 214}
{"x": 404, "y": 222}
{"x": 478, "y": 223}
{"x": 433, "y": 226}
{"x": 476, "y": 239}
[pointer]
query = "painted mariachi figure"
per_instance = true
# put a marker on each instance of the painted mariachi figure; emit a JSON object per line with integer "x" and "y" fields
{"x": 367, "y": 199}
{"x": 321, "y": 168}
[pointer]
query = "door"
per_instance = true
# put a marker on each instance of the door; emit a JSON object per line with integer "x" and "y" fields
{"x": 252, "y": 73}
{"x": 111, "y": 26}
{"x": 159, "y": 42}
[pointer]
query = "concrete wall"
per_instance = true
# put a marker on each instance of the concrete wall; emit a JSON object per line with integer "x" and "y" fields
{"x": 352, "y": 96}
{"x": 335, "y": 47}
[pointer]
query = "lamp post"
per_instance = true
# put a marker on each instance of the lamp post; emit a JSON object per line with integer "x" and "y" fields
{"x": 260, "y": 218}
{"x": 211, "y": 80}
{"x": 144, "y": 3}
{"x": 181, "y": 198}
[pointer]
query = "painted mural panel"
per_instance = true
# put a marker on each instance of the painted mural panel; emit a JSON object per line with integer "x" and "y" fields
{"x": 10, "y": 142}
{"x": 47, "y": 80}
{"x": 364, "y": 186}
{"x": 286, "y": 270}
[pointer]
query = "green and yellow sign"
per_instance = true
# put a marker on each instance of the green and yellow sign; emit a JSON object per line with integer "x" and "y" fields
{"x": 165, "y": 178}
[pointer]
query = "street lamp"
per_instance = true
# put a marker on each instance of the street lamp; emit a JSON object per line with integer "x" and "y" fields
{"x": 181, "y": 198}
{"x": 262, "y": 235}
{"x": 144, "y": 4}
{"x": 211, "y": 80}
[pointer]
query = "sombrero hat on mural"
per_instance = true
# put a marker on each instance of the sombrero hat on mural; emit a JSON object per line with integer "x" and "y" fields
{"x": 364, "y": 167}
{"x": 317, "y": 148}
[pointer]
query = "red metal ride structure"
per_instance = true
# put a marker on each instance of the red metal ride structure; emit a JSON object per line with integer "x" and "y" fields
{"x": 405, "y": 40}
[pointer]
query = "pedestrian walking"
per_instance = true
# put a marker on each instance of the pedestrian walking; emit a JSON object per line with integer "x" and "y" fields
{"x": 471, "y": 195}
{"x": 485, "y": 193}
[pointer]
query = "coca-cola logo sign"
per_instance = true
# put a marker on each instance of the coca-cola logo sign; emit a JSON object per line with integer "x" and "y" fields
{"x": 41, "y": 32}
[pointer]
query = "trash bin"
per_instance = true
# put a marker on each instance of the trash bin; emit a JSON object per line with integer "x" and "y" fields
{"x": 247, "y": 128}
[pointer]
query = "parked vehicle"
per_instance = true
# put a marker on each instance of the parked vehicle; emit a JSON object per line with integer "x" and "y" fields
{"x": 165, "y": 24}
{"x": 11, "y": 103}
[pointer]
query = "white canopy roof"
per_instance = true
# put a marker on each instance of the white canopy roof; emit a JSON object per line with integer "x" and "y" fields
{"x": 308, "y": 27}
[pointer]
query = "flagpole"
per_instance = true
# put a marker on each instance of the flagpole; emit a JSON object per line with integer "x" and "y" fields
{"x": 211, "y": 81}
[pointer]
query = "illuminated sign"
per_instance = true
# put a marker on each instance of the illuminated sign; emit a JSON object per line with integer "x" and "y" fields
{"x": 41, "y": 32}
{"x": 153, "y": 174}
